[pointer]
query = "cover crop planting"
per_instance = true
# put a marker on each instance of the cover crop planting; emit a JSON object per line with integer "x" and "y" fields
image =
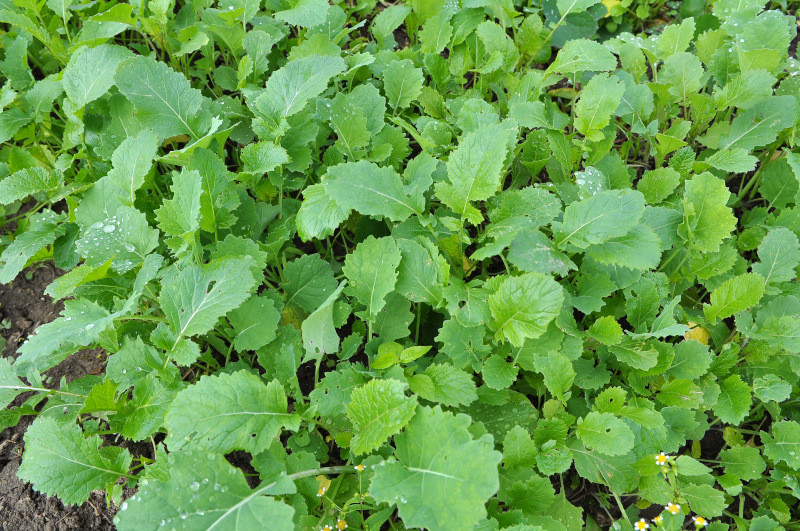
{"x": 462, "y": 264}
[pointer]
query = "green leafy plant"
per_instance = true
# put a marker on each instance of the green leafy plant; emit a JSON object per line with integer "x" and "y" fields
{"x": 405, "y": 265}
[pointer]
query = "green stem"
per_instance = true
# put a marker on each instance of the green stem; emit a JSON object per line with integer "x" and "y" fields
{"x": 42, "y": 389}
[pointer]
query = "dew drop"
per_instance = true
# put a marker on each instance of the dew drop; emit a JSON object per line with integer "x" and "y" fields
{"x": 194, "y": 486}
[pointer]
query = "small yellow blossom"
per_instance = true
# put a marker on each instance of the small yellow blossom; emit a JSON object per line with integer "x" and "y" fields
{"x": 341, "y": 525}
{"x": 359, "y": 468}
{"x": 673, "y": 508}
{"x": 699, "y": 521}
{"x": 641, "y": 525}
{"x": 662, "y": 459}
{"x": 327, "y": 528}
{"x": 321, "y": 492}
{"x": 658, "y": 519}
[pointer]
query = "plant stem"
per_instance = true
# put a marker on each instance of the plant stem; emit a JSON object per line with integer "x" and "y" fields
{"x": 42, "y": 389}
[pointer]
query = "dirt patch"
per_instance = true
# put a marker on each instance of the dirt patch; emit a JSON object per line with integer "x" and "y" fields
{"x": 23, "y": 308}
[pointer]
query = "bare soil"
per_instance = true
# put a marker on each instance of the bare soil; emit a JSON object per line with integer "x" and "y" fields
{"x": 23, "y": 308}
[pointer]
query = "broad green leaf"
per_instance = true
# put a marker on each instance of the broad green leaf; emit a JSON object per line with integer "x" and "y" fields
{"x": 11, "y": 121}
{"x": 444, "y": 480}
{"x": 617, "y": 472}
{"x": 772, "y": 387}
{"x": 744, "y": 90}
{"x": 124, "y": 237}
{"x": 378, "y": 410}
{"x": 684, "y": 73}
{"x": 388, "y": 20}
{"x": 263, "y": 157}
{"x": 635, "y": 353}
{"x": 59, "y": 460}
{"x": 304, "y": 13}
{"x": 44, "y": 228}
{"x": 605, "y": 433}
{"x": 734, "y": 401}
{"x": 319, "y": 331}
{"x": 523, "y": 306}
{"x": 606, "y": 330}
{"x": 132, "y": 161}
{"x": 657, "y": 185}
{"x": 309, "y": 282}
{"x": 779, "y": 253}
{"x": 569, "y": 7}
{"x": 80, "y": 324}
{"x": 418, "y": 274}
{"x": 66, "y": 284}
{"x": 743, "y": 462}
{"x": 680, "y": 393}
{"x": 370, "y": 189}
{"x": 443, "y": 383}
{"x": 599, "y": 99}
{"x": 402, "y": 83}
{"x": 761, "y": 124}
{"x": 319, "y": 214}
{"x": 558, "y": 373}
{"x": 675, "y": 38}
{"x": 474, "y": 171}
{"x": 372, "y": 272}
{"x": 90, "y": 72}
{"x": 27, "y": 182}
{"x": 639, "y": 249}
{"x": 532, "y": 251}
{"x": 254, "y": 323}
{"x": 692, "y": 360}
{"x": 226, "y": 412}
{"x": 783, "y": 443}
{"x": 193, "y": 298}
{"x": 289, "y": 88}
{"x": 498, "y": 373}
{"x": 735, "y": 160}
{"x": 164, "y": 99}
{"x": 463, "y": 344}
{"x": 707, "y": 220}
{"x": 583, "y": 55}
{"x": 179, "y": 217}
{"x": 605, "y": 215}
{"x": 519, "y": 448}
{"x": 204, "y": 491}
{"x": 436, "y": 32}
{"x": 8, "y": 383}
{"x": 135, "y": 361}
{"x": 61, "y": 8}
{"x": 704, "y": 499}
{"x": 734, "y": 295}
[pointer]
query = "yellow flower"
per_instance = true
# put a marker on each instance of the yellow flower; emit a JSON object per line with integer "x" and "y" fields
{"x": 658, "y": 519}
{"x": 641, "y": 525}
{"x": 327, "y": 528}
{"x": 699, "y": 521}
{"x": 359, "y": 468}
{"x": 673, "y": 508}
{"x": 341, "y": 525}
{"x": 321, "y": 492}
{"x": 662, "y": 459}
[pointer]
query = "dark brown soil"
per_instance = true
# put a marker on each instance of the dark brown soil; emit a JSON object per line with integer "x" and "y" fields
{"x": 24, "y": 307}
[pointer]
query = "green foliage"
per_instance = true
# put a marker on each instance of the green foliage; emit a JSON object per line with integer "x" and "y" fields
{"x": 428, "y": 264}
